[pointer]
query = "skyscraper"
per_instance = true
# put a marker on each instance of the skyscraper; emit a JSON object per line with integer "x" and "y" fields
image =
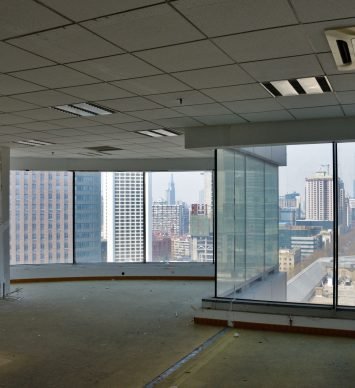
{"x": 170, "y": 192}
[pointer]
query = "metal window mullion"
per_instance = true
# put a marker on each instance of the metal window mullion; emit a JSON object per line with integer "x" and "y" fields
{"x": 335, "y": 226}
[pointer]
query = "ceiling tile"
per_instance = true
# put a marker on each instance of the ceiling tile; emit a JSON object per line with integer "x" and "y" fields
{"x": 8, "y": 104}
{"x": 44, "y": 114}
{"x": 173, "y": 99}
{"x": 327, "y": 62}
{"x": 115, "y": 68}
{"x": 87, "y": 9}
{"x": 129, "y": 104}
{"x": 18, "y": 17}
{"x": 6, "y": 118}
{"x": 38, "y": 126}
{"x": 349, "y": 109}
{"x": 222, "y": 17}
{"x": 145, "y": 28}
{"x": 260, "y": 105}
{"x": 266, "y": 44}
{"x": 66, "y": 44}
{"x": 115, "y": 118}
{"x": 103, "y": 129}
{"x": 14, "y": 59}
{"x": 47, "y": 98}
{"x": 11, "y": 85}
{"x": 343, "y": 82}
{"x": 203, "y": 109}
{"x": 156, "y": 114}
{"x": 178, "y": 122}
{"x": 317, "y": 10}
{"x": 94, "y": 92}
{"x": 318, "y": 112}
{"x": 152, "y": 85}
{"x": 74, "y": 122}
{"x": 280, "y": 115}
{"x": 240, "y": 92}
{"x": 137, "y": 126}
{"x": 346, "y": 97}
{"x": 284, "y": 68}
{"x": 308, "y": 100}
{"x": 220, "y": 119}
{"x": 186, "y": 56}
{"x": 55, "y": 77}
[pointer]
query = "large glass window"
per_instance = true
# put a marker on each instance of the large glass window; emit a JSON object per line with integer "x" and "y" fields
{"x": 179, "y": 216}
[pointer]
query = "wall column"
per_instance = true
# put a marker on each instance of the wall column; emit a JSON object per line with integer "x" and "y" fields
{"x": 4, "y": 221}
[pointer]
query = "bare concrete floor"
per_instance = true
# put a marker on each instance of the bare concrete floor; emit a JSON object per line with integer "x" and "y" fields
{"x": 257, "y": 359}
{"x": 98, "y": 334}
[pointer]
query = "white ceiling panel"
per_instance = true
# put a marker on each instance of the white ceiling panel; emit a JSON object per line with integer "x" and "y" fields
{"x": 44, "y": 114}
{"x": 66, "y": 44}
{"x": 186, "y": 56}
{"x": 215, "y": 76}
{"x": 11, "y": 130}
{"x": 6, "y": 118}
{"x": 87, "y": 9}
{"x": 100, "y": 91}
{"x": 260, "y": 105}
{"x": 327, "y": 62}
{"x": 268, "y": 116}
{"x": 115, "y": 118}
{"x": 38, "y": 126}
{"x": 74, "y": 122}
{"x": 11, "y": 85}
{"x": 152, "y": 85}
{"x": 13, "y": 59}
{"x": 266, "y": 44}
{"x": 47, "y": 98}
{"x": 8, "y": 104}
{"x": 145, "y": 28}
{"x": 346, "y": 97}
{"x": 152, "y": 114}
{"x": 187, "y": 98}
{"x": 284, "y": 68}
{"x": 115, "y": 68}
{"x": 18, "y": 17}
{"x": 317, "y": 10}
{"x": 343, "y": 82}
{"x": 222, "y": 17}
{"x": 220, "y": 119}
{"x": 240, "y": 92}
{"x": 349, "y": 109}
{"x": 55, "y": 77}
{"x": 137, "y": 126}
{"x": 129, "y": 104}
{"x": 203, "y": 109}
{"x": 317, "y": 113}
{"x": 178, "y": 122}
{"x": 308, "y": 100}
{"x": 102, "y": 129}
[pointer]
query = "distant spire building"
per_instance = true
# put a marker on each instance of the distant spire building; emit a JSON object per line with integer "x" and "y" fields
{"x": 170, "y": 193}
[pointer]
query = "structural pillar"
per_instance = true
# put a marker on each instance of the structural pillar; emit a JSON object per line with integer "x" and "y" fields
{"x": 4, "y": 221}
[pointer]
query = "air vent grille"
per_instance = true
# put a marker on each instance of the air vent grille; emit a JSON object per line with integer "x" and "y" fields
{"x": 341, "y": 42}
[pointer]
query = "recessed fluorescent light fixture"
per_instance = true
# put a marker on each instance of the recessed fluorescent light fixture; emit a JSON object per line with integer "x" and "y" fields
{"x": 84, "y": 109}
{"x": 158, "y": 133}
{"x": 295, "y": 87}
{"x": 33, "y": 143}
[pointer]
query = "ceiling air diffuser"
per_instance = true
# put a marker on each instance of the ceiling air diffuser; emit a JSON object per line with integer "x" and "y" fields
{"x": 342, "y": 44}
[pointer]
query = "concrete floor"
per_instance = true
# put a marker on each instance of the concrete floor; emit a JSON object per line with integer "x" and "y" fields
{"x": 125, "y": 333}
{"x": 98, "y": 334}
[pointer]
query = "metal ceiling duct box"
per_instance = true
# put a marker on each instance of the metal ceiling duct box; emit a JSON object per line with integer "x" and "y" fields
{"x": 342, "y": 44}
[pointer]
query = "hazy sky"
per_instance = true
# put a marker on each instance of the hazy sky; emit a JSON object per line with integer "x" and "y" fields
{"x": 304, "y": 160}
{"x": 187, "y": 185}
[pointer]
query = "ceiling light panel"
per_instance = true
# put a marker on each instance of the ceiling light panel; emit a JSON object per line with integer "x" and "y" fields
{"x": 33, "y": 143}
{"x": 165, "y": 132}
{"x": 295, "y": 87}
{"x": 84, "y": 109}
{"x": 150, "y": 133}
{"x": 95, "y": 109}
{"x": 73, "y": 110}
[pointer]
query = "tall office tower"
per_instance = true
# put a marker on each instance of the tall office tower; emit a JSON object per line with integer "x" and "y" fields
{"x": 201, "y": 232}
{"x": 290, "y": 200}
{"x": 170, "y": 192}
{"x": 87, "y": 217}
{"x": 170, "y": 220}
{"x": 123, "y": 194}
{"x": 319, "y": 197}
{"x": 41, "y": 213}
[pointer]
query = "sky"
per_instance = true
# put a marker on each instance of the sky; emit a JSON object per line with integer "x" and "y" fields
{"x": 187, "y": 185}
{"x": 304, "y": 160}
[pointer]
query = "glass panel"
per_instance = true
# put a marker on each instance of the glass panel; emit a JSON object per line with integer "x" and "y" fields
{"x": 282, "y": 204}
{"x": 346, "y": 221}
{"x": 41, "y": 215}
{"x": 179, "y": 216}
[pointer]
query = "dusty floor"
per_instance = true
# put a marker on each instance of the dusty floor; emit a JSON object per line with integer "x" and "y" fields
{"x": 256, "y": 359}
{"x": 98, "y": 334}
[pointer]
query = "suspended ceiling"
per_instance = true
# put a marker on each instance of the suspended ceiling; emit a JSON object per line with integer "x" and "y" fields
{"x": 167, "y": 64}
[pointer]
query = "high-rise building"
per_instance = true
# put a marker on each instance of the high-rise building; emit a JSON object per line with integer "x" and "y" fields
{"x": 87, "y": 217}
{"x": 201, "y": 231}
{"x": 41, "y": 211}
{"x": 170, "y": 192}
{"x": 124, "y": 216}
{"x": 170, "y": 220}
